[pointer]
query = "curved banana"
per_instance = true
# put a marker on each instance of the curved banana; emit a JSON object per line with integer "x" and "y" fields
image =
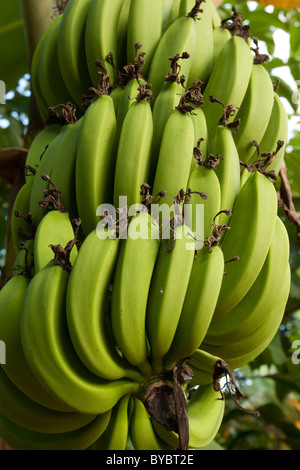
{"x": 53, "y": 87}
{"x": 21, "y": 220}
{"x": 116, "y": 94}
{"x": 95, "y": 160}
{"x": 255, "y": 111}
{"x": 199, "y": 213}
{"x": 115, "y": 435}
{"x": 202, "y": 61}
{"x": 165, "y": 103}
{"x": 29, "y": 414}
{"x": 131, "y": 285}
{"x": 128, "y": 96}
{"x": 244, "y": 319}
{"x": 40, "y": 183}
{"x": 205, "y": 412}
{"x": 167, "y": 291}
{"x": 35, "y": 70}
{"x": 174, "y": 13}
{"x": 122, "y": 34}
{"x": 167, "y": 6}
{"x": 199, "y": 304}
{"x": 220, "y": 38}
{"x": 205, "y": 367}
{"x": 85, "y": 307}
{"x": 229, "y": 78}
{"x": 144, "y": 27}
{"x": 71, "y": 49}
{"x": 141, "y": 432}
{"x": 179, "y": 37}
{"x": 20, "y": 438}
{"x": 175, "y": 156}
{"x": 55, "y": 228}
{"x": 38, "y": 146}
{"x": 246, "y": 349}
{"x": 134, "y": 150}
{"x": 16, "y": 367}
{"x": 50, "y": 353}
{"x": 228, "y": 170}
{"x": 101, "y": 38}
{"x": 63, "y": 170}
{"x": 249, "y": 238}
{"x": 277, "y": 129}
{"x": 24, "y": 262}
{"x": 201, "y": 131}
{"x": 215, "y": 15}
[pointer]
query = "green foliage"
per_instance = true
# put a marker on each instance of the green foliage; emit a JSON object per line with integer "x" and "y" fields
{"x": 13, "y": 58}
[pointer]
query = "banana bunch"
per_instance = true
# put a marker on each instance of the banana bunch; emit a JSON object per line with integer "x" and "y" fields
{"x": 150, "y": 258}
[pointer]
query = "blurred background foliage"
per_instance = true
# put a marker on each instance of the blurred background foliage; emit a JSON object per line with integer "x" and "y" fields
{"x": 271, "y": 383}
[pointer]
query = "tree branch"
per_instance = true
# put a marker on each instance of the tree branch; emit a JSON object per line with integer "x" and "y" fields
{"x": 286, "y": 200}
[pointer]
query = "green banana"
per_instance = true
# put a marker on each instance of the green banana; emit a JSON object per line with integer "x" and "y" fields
{"x": 228, "y": 170}
{"x": 95, "y": 160}
{"x": 21, "y": 220}
{"x": 35, "y": 70}
{"x": 242, "y": 320}
{"x": 167, "y": 292}
{"x": 230, "y": 75}
{"x": 24, "y": 263}
{"x": 144, "y": 27}
{"x": 51, "y": 82}
{"x": 20, "y": 438}
{"x": 100, "y": 38}
{"x": 199, "y": 304}
{"x": 115, "y": 435}
{"x": 165, "y": 103}
{"x": 122, "y": 33}
{"x": 63, "y": 171}
{"x": 204, "y": 181}
{"x": 38, "y": 146}
{"x": 201, "y": 64}
{"x": 179, "y": 37}
{"x": 49, "y": 351}
{"x": 167, "y": 6}
{"x": 175, "y": 156}
{"x": 55, "y": 228}
{"x": 41, "y": 178}
{"x": 201, "y": 131}
{"x": 16, "y": 367}
{"x": 220, "y": 38}
{"x": 209, "y": 369}
{"x": 255, "y": 110}
{"x": 249, "y": 238}
{"x": 29, "y": 414}
{"x": 215, "y": 15}
{"x": 134, "y": 150}
{"x": 205, "y": 412}
{"x": 246, "y": 349}
{"x": 141, "y": 432}
{"x": 85, "y": 307}
{"x": 277, "y": 129}
{"x": 128, "y": 96}
{"x": 131, "y": 285}
{"x": 174, "y": 13}
{"x": 71, "y": 49}
{"x": 116, "y": 94}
